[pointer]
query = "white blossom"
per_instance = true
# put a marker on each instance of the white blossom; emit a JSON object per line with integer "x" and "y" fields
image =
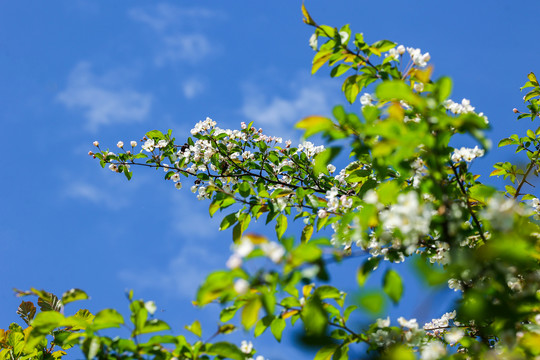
{"x": 234, "y": 261}
{"x": 453, "y": 336}
{"x": 366, "y": 99}
{"x": 417, "y": 57}
{"x": 433, "y": 350}
{"x": 383, "y": 323}
{"x": 313, "y": 42}
{"x": 273, "y": 250}
{"x": 467, "y": 154}
{"x": 241, "y": 286}
{"x": 149, "y": 145}
{"x": 246, "y": 347}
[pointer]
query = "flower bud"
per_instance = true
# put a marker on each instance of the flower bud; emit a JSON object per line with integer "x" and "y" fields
{"x": 133, "y": 143}
{"x": 90, "y": 153}
{"x": 120, "y": 144}
{"x": 96, "y": 143}
{"x": 401, "y": 49}
{"x": 516, "y": 111}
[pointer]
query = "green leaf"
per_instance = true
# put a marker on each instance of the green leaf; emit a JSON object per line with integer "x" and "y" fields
{"x": 90, "y": 347}
{"x": 244, "y": 189}
{"x": 227, "y": 313}
{"x": 339, "y": 70}
{"x": 227, "y": 351}
{"x": 506, "y": 141}
{"x": 532, "y": 79}
{"x": 307, "y": 18}
{"x": 383, "y": 45}
{"x": 314, "y": 124}
{"x": 281, "y": 225}
{"x": 228, "y": 221}
{"x": 139, "y": 315}
{"x": 108, "y": 318}
{"x": 46, "y": 321}
{"x": 397, "y": 90}
{"x": 277, "y": 327}
{"x": 73, "y": 295}
{"x": 306, "y": 233}
{"x": 532, "y": 94}
{"x": 155, "y": 134}
{"x": 326, "y": 352}
{"x": 314, "y": 317}
{"x": 366, "y": 269}
{"x": 195, "y": 328}
{"x": 393, "y": 285}
{"x": 323, "y": 158}
{"x": 215, "y": 284}
{"x": 250, "y": 312}
{"x": 351, "y": 88}
{"x": 262, "y": 325}
{"x": 444, "y": 88}
{"x": 342, "y": 353}
{"x": 320, "y": 59}
{"x": 154, "y": 325}
{"x": 372, "y": 301}
{"x": 327, "y": 292}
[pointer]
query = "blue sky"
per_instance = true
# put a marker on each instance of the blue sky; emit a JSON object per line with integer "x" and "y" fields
{"x": 77, "y": 71}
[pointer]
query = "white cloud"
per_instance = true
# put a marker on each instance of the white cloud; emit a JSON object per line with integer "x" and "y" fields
{"x": 163, "y": 16}
{"x": 104, "y": 100}
{"x": 183, "y": 47}
{"x": 181, "y": 276}
{"x": 277, "y": 115}
{"x": 93, "y": 194}
{"x": 192, "y": 87}
{"x": 178, "y": 31}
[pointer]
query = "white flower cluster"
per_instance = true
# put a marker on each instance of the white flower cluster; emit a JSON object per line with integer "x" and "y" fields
{"x": 310, "y": 149}
{"x": 467, "y": 154}
{"x": 367, "y": 99}
{"x": 418, "y": 58}
{"x": 500, "y": 213}
{"x": 203, "y": 125}
{"x": 384, "y": 336}
{"x": 149, "y": 145}
{"x": 457, "y": 108}
{"x": 420, "y": 170}
{"x": 410, "y": 218}
{"x": 535, "y": 204}
{"x": 455, "y": 284}
{"x": 247, "y": 347}
{"x": 433, "y": 350}
{"x": 438, "y": 326}
{"x": 462, "y": 108}
{"x": 335, "y": 203}
{"x": 440, "y": 253}
{"x": 396, "y": 52}
{"x": 273, "y": 250}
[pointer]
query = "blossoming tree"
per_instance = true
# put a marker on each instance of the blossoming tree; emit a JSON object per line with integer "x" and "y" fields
{"x": 407, "y": 193}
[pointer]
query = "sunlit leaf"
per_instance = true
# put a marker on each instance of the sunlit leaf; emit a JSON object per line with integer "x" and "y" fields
{"x": 393, "y": 285}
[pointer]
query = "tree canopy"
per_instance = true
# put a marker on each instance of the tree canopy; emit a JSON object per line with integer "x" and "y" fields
{"x": 404, "y": 194}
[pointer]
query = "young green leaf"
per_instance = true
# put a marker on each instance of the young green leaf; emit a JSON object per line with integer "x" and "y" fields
{"x": 393, "y": 285}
